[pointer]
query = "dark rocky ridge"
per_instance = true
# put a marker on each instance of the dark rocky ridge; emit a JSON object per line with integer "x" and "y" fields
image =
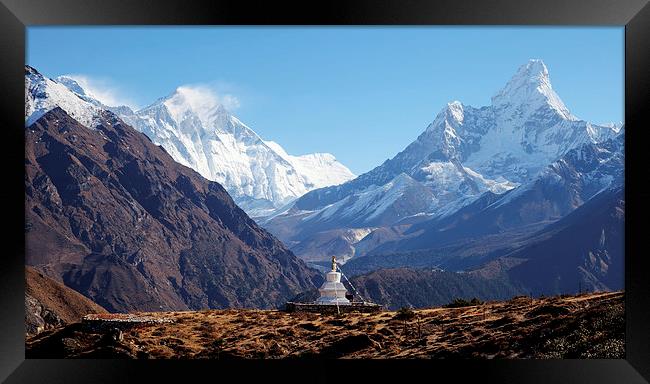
{"x": 114, "y": 217}
{"x": 582, "y": 252}
{"x": 585, "y": 251}
{"x": 420, "y": 288}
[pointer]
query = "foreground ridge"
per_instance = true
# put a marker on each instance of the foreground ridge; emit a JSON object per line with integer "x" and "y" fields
{"x": 583, "y": 326}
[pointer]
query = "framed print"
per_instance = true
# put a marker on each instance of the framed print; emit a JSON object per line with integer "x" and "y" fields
{"x": 348, "y": 191}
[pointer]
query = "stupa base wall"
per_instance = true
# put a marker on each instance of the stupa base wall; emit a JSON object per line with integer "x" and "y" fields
{"x": 329, "y": 309}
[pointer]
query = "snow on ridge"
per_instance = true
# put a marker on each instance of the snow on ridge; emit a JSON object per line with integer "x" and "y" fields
{"x": 202, "y": 101}
{"x": 71, "y": 84}
{"x": 526, "y": 127}
{"x": 456, "y": 110}
{"x": 43, "y": 94}
{"x": 466, "y": 151}
{"x": 367, "y": 204}
{"x": 318, "y": 169}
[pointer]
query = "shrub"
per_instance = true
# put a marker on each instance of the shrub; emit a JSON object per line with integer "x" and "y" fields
{"x": 405, "y": 313}
{"x": 457, "y": 303}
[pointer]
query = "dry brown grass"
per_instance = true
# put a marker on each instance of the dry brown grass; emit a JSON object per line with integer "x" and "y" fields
{"x": 589, "y": 325}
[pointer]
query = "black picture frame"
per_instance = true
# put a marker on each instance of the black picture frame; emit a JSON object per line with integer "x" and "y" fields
{"x": 15, "y": 15}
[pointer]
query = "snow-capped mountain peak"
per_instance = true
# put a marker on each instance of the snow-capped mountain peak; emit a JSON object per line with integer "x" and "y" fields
{"x": 531, "y": 87}
{"x": 199, "y": 131}
{"x": 451, "y": 114}
{"x": 318, "y": 169}
{"x": 455, "y": 110}
{"x": 195, "y": 127}
{"x": 195, "y": 112}
{"x": 79, "y": 87}
{"x": 466, "y": 150}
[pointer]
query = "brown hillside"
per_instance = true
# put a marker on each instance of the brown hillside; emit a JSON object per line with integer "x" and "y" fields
{"x": 49, "y": 303}
{"x": 116, "y": 218}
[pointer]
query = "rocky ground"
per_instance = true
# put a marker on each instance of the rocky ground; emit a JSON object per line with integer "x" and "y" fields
{"x": 582, "y": 326}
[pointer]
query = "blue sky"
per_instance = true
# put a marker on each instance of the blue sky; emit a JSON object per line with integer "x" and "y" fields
{"x": 361, "y": 93}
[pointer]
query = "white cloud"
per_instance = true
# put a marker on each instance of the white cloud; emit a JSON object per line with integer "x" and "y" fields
{"x": 204, "y": 96}
{"x": 202, "y": 99}
{"x": 102, "y": 90}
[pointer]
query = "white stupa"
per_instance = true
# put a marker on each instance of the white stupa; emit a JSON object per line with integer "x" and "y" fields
{"x": 333, "y": 291}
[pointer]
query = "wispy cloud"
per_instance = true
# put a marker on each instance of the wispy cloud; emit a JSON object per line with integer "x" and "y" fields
{"x": 103, "y": 90}
{"x": 201, "y": 99}
{"x": 203, "y": 96}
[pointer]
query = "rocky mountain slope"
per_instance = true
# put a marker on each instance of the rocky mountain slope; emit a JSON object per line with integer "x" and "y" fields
{"x": 114, "y": 217}
{"x": 465, "y": 153}
{"x": 50, "y": 304}
{"x": 584, "y": 326}
{"x": 422, "y": 287}
{"x": 583, "y": 251}
{"x": 419, "y": 288}
{"x": 556, "y": 191}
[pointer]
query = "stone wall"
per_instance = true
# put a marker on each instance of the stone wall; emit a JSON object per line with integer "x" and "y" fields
{"x": 104, "y": 322}
{"x": 332, "y": 309}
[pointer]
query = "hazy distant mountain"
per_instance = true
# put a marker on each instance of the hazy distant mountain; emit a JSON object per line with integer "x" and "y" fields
{"x": 582, "y": 252}
{"x": 404, "y": 287}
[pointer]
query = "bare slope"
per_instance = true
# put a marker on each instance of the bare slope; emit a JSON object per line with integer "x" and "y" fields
{"x": 49, "y": 303}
